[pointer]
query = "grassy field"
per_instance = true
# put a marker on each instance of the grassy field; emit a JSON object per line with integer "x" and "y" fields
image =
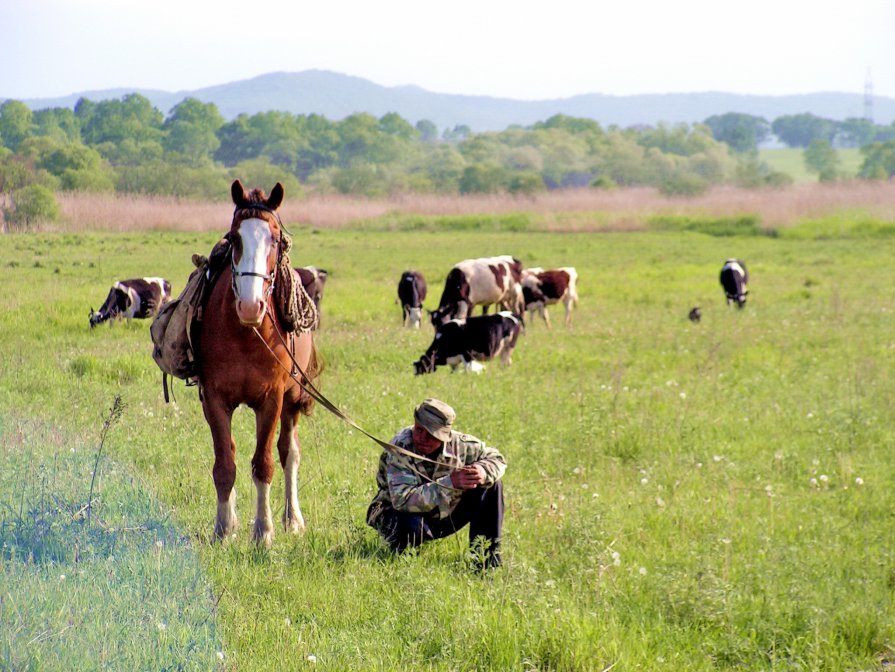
{"x": 790, "y": 160}
{"x": 680, "y": 496}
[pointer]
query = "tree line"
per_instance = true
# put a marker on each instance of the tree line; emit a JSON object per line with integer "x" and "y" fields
{"x": 127, "y": 145}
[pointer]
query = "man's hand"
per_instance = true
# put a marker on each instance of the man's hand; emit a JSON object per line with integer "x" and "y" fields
{"x": 468, "y": 477}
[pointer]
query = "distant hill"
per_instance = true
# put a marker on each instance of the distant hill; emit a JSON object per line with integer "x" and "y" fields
{"x": 336, "y": 96}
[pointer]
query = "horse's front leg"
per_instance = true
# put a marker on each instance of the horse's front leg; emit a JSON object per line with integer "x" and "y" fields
{"x": 266, "y": 417}
{"x": 219, "y": 419}
{"x": 290, "y": 458}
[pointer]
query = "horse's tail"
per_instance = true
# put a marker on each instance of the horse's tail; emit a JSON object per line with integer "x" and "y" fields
{"x": 313, "y": 370}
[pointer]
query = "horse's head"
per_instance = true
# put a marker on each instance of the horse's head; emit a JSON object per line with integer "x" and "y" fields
{"x": 255, "y": 237}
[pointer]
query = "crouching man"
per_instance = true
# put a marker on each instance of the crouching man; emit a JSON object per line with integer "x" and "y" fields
{"x": 457, "y": 484}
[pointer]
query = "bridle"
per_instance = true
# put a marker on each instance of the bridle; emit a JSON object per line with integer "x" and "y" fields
{"x": 267, "y": 277}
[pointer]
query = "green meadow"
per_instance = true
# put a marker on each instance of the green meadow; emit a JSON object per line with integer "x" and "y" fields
{"x": 790, "y": 160}
{"x": 679, "y": 496}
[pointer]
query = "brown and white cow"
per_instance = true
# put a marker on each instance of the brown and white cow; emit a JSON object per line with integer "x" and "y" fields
{"x": 135, "y": 298}
{"x": 411, "y": 294}
{"x": 468, "y": 342}
{"x": 542, "y": 288}
{"x": 313, "y": 279}
{"x": 480, "y": 282}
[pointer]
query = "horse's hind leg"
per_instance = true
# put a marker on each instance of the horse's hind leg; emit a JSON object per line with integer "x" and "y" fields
{"x": 290, "y": 458}
{"x": 224, "y": 471}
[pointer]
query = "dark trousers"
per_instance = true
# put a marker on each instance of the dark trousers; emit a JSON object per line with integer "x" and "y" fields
{"x": 480, "y": 508}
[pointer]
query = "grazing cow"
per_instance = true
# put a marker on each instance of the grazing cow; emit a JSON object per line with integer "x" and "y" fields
{"x": 542, "y": 288}
{"x": 734, "y": 278}
{"x": 136, "y": 298}
{"x": 411, "y": 294}
{"x": 695, "y": 314}
{"x": 313, "y": 279}
{"x": 480, "y": 282}
{"x": 470, "y": 341}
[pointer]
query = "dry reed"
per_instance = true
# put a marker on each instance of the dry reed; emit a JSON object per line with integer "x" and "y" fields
{"x": 565, "y": 210}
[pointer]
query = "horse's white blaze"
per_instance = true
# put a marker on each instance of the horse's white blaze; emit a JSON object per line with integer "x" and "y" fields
{"x": 256, "y": 243}
{"x": 292, "y": 518}
{"x": 263, "y": 531}
{"x": 226, "y": 521}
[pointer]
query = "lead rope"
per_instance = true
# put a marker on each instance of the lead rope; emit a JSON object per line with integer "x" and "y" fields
{"x": 318, "y": 396}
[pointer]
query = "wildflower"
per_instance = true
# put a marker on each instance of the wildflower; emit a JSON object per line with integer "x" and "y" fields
{"x": 62, "y": 577}
{"x": 717, "y": 458}
{"x": 616, "y": 558}
{"x": 642, "y": 571}
{"x": 725, "y": 541}
{"x": 550, "y": 583}
{"x": 683, "y": 395}
{"x": 287, "y": 621}
{"x": 824, "y": 478}
{"x": 810, "y": 415}
{"x": 769, "y": 489}
{"x": 778, "y": 456}
{"x": 699, "y": 465}
{"x": 859, "y": 481}
{"x": 644, "y": 480}
{"x": 220, "y": 655}
{"x": 660, "y": 502}
{"x": 162, "y": 626}
{"x": 312, "y": 658}
{"x": 813, "y": 482}
{"x": 576, "y": 470}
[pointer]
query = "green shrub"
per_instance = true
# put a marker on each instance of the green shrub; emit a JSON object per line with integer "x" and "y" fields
{"x": 683, "y": 184}
{"x": 603, "y": 182}
{"x": 31, "y": 205}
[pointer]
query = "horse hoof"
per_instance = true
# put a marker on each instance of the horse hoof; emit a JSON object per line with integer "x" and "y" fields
{"x": 262, "y": 534}
{"x": 294, "y": 525}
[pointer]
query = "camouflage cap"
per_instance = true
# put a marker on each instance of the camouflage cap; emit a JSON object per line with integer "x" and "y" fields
{"x": 436, "y": 417}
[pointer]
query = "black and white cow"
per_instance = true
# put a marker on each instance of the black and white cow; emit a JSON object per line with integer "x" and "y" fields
{"x": 480, "y": 282}
{"x": 135, "y": 298}
{"x": 734, "y": 278}
{"x": 468, "y": 342}
{"x": 411, "y": 294}
{"x": 542, "y": 288}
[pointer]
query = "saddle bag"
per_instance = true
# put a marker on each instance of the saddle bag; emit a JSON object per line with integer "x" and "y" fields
{"x": 171, "y": 331}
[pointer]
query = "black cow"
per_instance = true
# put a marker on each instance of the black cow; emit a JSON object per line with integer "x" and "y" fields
{"x": 313, "y": 279}
{"x": 411, "y": 294}
{"x": 468, "y": 342}
{"x": 734, "y": 278}
{"x": 135, "y": 298}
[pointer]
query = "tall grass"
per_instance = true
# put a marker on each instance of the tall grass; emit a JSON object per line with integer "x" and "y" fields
{"x": 568, "y": 210}
{"x": 679, "y": 496}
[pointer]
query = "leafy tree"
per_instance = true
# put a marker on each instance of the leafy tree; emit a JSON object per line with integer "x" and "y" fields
{"x": 191, "y": 130}
{"x": 132, "y": 117}
{"x": 855, "y": 132}
{"x": 31, "y": 205}
{"x": 393, "y": 124}
{"x": 428, "y": 130}
{"x": 799, "y": 130}
{"x": 527, "y": 182}
{"x": 742, "y": 132}
{"x": 16, "y": 123}
{"x": 483, "y": 178}
{"x": 879, "y": 161}
{"x": 821, "y": 158}
{"x": 458, "y": 133}
{"x": 59, "y": 123}
{"x": 322, "y": 149}
{"x": 574, "y": 125}
{"x": 677, "y": 139}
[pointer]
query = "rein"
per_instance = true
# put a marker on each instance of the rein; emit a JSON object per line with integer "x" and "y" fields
{"x": 318, "y": 396}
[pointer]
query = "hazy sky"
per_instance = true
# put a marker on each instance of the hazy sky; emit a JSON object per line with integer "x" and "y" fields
{"x": 506, "y": 48}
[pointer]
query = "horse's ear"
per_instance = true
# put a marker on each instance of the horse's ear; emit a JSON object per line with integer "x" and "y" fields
{"x": 276, "y": 197}
{"x": 238, "y": 194}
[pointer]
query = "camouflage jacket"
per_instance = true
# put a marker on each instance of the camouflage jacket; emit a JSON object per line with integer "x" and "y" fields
{"x": 417, "y": 486}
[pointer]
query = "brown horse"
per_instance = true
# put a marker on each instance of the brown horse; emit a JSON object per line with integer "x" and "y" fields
{"x": 235, "y": 367}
